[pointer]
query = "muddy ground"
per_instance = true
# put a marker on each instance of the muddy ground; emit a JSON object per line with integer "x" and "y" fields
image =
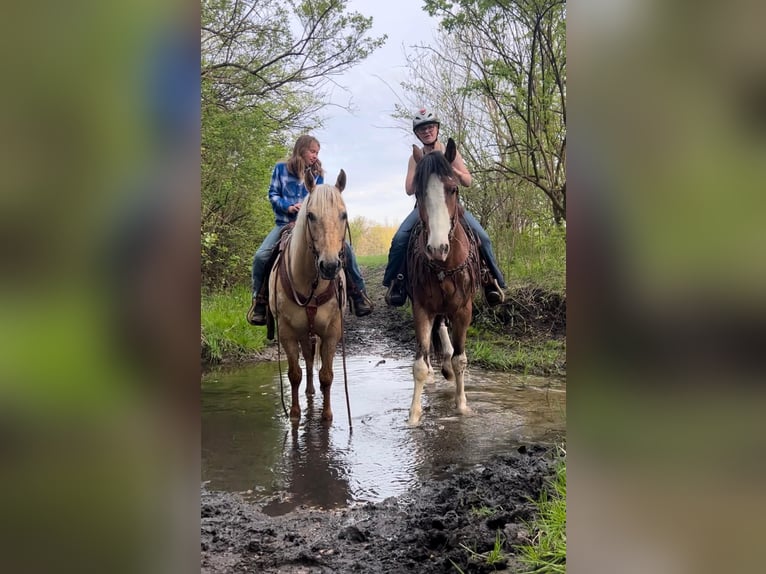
{"x": 433, "y": 528}
{"x": 424, "y": 531}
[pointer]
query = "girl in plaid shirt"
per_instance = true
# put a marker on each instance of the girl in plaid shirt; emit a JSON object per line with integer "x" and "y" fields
{"x": 286, "y": 194}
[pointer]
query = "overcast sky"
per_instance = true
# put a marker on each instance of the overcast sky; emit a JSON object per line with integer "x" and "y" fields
{"x": 367, "y": 143}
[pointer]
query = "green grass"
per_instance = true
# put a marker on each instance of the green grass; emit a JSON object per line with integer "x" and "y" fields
{"x": 225, "y": 332}
{"x": 493, "y": 351}
{"x": 537, "y": 257}
{"x": 372, "y": 260}
{"x": 547, "y": 553}
{"x": 491, "y": 557}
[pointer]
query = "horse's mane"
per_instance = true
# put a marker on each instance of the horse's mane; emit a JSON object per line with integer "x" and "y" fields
{"x": 323, "y": 197}
{"x": 432, "y": 163}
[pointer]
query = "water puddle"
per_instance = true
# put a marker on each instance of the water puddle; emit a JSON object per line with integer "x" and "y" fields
{"x": 249, "y": 447}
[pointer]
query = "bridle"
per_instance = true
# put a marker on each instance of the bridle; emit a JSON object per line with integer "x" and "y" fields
{"x": 453, "y": 218}
{"x": 436, "y": 267}
{"x": 299, "y": 299}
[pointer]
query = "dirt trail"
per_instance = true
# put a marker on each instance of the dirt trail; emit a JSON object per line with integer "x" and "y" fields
{"x": 426, "y": 531}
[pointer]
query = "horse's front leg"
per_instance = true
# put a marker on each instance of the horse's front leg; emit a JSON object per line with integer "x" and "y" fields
{"x": 294, "y": 374}
{"x": 308, "y": 349}
{"x": 460, "y": 324}
{"x": 327, "y": 354}
{"x": 420, "y": 369}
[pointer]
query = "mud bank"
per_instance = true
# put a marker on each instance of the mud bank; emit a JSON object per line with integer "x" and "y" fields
{"x": 433, "y": 528}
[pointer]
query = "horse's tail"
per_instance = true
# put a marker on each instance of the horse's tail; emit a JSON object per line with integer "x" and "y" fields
{"x": 436, "y": 340}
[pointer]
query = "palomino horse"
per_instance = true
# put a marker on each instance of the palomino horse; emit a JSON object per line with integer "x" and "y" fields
{"x": 306, "y": 294}
{"x": 443, "y": 271}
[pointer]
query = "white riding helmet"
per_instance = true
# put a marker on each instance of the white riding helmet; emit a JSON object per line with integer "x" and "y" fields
{"x": 423, "y": 118}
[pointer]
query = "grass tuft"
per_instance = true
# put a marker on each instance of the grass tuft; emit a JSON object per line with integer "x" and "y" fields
{"x": 547, "y": 552}
{"x": 225, "y": 331}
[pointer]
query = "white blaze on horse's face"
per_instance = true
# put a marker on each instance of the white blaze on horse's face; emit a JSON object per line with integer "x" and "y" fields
{"x": 326, "y": 213}
{"x": 437, "y": 246}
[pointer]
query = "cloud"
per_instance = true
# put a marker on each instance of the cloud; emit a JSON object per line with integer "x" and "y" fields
{"x": 368, "y": 143}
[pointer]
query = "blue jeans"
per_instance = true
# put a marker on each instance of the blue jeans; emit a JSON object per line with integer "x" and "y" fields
{"x": 262, "y": 257}
{"x": 353, "y": 273}
{"x": 265, "y": 251}
{"x": 401, "y": 239}
{"x": 485, "y": 249}
{"x": 398, "y": 250}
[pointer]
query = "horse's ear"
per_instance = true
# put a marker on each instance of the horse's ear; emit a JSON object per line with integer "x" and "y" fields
{"x": 341, "y": 182}
{"x": 309, "y": 181}
{"x": 417, "y": 153}
{"x": 451, "y": 151}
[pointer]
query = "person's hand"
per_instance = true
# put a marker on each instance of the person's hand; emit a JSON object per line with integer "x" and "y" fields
{"x": 460, "y": 175}
{"x": 294, "y": 208}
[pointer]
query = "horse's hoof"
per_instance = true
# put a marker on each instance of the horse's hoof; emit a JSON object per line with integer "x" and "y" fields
{"x": 295, "y": 415}
{"x": 464, "y": 410}
{"x": 327, "y": 417}
{"x": 310, "y": 391}
{"x": 414, "y": 420}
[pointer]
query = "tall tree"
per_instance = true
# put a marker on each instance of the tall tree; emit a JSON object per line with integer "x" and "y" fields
{"x": 266, "y": 69}
{"x": 283, "y": 52}
{"x": 513, "y": 56}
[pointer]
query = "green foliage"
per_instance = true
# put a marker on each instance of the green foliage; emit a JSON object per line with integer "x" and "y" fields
{"x": 493, "y": 351}
{"x": 547, "y": 553}
{"x": 538, "y": 258}
{"x": 379, "y": 260}
{"x": 281, "y": 52}
{"x": 264, "y": 67}
{"x": 370, "y": 238}
{"x": 499, "y": 81}
{"x": 492, "y": 557}
{"x": 237, "y": 156}
{"x": 225, "y": 332}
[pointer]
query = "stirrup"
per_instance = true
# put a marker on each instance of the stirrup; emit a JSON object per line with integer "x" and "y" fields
{"x": 396, "y": 296}
{"x": 361, "y": 304}
{"x": 493, "y": 294}
{"x": 256, "y": 314}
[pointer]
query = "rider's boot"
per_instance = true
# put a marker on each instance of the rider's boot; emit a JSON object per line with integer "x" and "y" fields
{"x": 492, "y": 291}
{"x": 396, "y": 296}
{"x": 256, "y": 315}
{"x": 358, "y": 300}
{"x": 360, "y": 303}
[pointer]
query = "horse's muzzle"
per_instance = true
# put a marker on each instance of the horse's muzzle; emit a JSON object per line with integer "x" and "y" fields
{"x": 329, "y": 269}
{"x": 439, "y": 252}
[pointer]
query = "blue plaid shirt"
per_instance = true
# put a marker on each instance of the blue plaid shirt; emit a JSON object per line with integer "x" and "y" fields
{"x": 285, "y": 190}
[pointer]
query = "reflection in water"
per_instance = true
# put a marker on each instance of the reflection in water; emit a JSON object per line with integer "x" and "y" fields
{"x": 315, "y": 474}
{"x": 248, "y": 446}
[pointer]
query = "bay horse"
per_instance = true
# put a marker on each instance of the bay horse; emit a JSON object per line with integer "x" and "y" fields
{"x": 443, "y": 275}
{"x": 306, "y": 289}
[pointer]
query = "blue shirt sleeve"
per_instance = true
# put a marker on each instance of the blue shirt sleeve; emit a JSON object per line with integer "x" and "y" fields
{"x": 277, "y": 192}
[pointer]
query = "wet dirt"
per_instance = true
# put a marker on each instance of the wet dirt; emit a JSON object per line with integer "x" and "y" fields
{"x": 439, "y": 525}
{"x": 424, "y": 531}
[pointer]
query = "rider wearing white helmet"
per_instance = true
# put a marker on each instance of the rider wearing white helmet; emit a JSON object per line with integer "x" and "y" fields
{"x": 425, "y": 125}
